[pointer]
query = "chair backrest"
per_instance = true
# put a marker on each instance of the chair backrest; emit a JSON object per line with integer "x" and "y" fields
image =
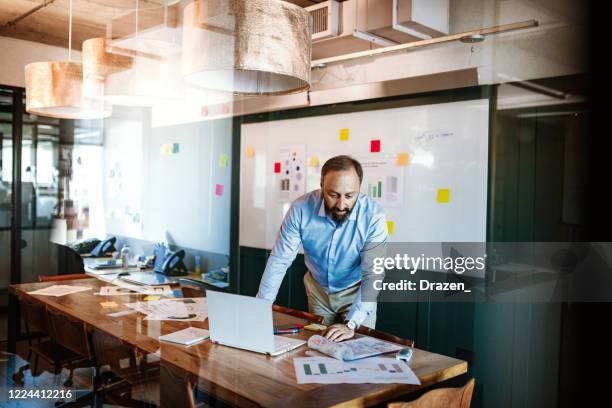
{"x": 384, "y": 336}
{"x": 111, "y": 351}
{"x": 298, "y": 313}
{"x": 178, "y": 387}
{"x": 55, "y": 278}
{"x": 69, "y": 333}
{"x": 34, "y": 315}
{"x": 441, "y": 398}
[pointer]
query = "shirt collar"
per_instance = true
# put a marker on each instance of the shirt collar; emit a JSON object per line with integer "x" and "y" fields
{"x": 352, "y": 215}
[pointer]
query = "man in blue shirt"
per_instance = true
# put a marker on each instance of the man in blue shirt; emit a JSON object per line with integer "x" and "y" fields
{"x": 341, "y": 231}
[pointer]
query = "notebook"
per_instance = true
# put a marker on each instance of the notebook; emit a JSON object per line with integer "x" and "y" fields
{"x": 186, "y": 337}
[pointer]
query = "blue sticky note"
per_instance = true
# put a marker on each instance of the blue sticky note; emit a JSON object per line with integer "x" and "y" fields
{"x": 175, "y": 148}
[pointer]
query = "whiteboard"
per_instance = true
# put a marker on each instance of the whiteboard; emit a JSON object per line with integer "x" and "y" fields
{"x": 185, "y": 194}
{"x": 443, "y": 192}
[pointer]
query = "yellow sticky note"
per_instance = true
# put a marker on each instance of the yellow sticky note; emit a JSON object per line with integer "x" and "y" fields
{"x": 152, "y": 297}
{"x": 315, "y": 327}
{"x": 223, "y": 159}
{"x": 250, "y": 152}
{"x": 402, "y": 159}
{"x": 344, "y": 135}
{"x": 390, "y": 227}
{"x": 314, "y": 161}
{"x": 108, "y": 304}
{"x": 443, "y": 195}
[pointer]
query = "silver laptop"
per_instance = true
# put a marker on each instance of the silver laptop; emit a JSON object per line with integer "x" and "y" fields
{"x": 245, "y": 322}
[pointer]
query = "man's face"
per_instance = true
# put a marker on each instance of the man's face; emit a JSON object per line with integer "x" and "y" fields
{"x": 340, "y": 191}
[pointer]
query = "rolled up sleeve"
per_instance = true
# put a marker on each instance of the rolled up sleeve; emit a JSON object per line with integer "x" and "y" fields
{"x": 375, "y": 247}
{"x": 283, "y": 253}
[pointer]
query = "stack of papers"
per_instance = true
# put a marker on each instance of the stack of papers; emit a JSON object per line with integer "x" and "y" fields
{"x": 182, "y": 309}
{"x": 355, "y": 349}
{"x": 187, "y": 337}
{"x": 378, "y": 370}
{"x": 59, "y": 290}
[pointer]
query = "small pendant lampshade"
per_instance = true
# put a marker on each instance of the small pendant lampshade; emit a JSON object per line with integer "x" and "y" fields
{"x": 247, "y": 47}
{"x": 124, "y": 80}
{"x": 53, "y": 89}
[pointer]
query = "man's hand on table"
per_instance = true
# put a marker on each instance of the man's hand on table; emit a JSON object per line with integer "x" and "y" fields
{"x": 339, "y": 332}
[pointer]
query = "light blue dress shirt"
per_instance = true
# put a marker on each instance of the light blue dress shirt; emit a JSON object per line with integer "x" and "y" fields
{"x": 337, "y": 255}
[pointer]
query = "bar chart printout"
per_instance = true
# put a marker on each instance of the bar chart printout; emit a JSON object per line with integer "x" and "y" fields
{"x": 383, "y": 181}
{"x": 327, "y": 370}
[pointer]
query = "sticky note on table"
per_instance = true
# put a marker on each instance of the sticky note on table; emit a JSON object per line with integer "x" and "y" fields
{"x": 375, "y": 146}
{"x": 443, "y": 195}
{"x": 390, "y": 227}
{"x": 277, "y": 167}
{"x": 150, "y": 298}
{"x": 250, "y": 151}
{"x": 314, "y": 161}
{"x": 344, "y": 135}
{"x": 109, "y": 304}
{"x": 315, "y": 327}
{"x": 223, "y": 160}
{"x": 402, "y": 159}
{"x": 219, "y": 189}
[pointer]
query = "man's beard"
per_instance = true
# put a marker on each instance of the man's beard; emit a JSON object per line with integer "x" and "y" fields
{"x": 338, "y": 218}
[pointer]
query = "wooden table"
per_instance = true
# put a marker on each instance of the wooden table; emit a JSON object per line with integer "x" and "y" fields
{"x": 235, "y": 376}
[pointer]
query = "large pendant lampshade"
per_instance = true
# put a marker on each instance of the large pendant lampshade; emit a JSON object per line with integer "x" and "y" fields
{"x": 54, "y": 89}
{"x": 247, "y": 47}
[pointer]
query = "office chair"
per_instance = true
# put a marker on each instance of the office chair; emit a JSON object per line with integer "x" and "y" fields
{"x": 34, "y": 316}
{"x": 460, "y": 397}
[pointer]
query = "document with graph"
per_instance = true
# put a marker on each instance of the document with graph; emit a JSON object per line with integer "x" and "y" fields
{"x": 378, "y": 370}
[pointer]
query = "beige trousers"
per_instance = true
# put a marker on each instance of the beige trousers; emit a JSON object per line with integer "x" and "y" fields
{"x": 332, "y": 306}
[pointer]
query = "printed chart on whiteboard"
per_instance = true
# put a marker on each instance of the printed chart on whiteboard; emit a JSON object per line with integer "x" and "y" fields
{"x": 383, "y": 181}
{"x": 292, "y": 172}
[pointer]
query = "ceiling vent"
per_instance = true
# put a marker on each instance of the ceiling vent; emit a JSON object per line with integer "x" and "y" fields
{"x": 325, "y": 17}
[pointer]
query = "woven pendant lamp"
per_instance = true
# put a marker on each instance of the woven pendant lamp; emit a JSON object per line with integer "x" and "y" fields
{"x": 247, "y": 47}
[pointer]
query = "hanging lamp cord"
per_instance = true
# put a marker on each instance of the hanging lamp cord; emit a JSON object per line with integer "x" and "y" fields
{"x": 70, "y": 33}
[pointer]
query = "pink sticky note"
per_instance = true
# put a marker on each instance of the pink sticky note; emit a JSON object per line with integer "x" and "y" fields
{"x": 375, "y": 146}
{"x": 219, "y": 189}
{"x": 204, "y": 110}
{"x": 277, "y": 167}
{"x": 225, "y": 109}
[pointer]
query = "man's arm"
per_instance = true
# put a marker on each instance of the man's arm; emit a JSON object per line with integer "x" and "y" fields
{"x": 283, "y": 253}
{"x": 376, "y": 246}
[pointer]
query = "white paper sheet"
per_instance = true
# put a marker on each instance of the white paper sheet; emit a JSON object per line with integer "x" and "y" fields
{"x": 115, "y": 291}
{"x": 59, "y": 290}
{"x": 327, "y": 370}
{"x": 181, "y": 309}
{"x": 122, "y": 313}
{"x": 124, "y": 289}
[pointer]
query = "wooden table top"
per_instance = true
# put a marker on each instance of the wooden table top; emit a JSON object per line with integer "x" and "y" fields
{"x": 242, "y": 377}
